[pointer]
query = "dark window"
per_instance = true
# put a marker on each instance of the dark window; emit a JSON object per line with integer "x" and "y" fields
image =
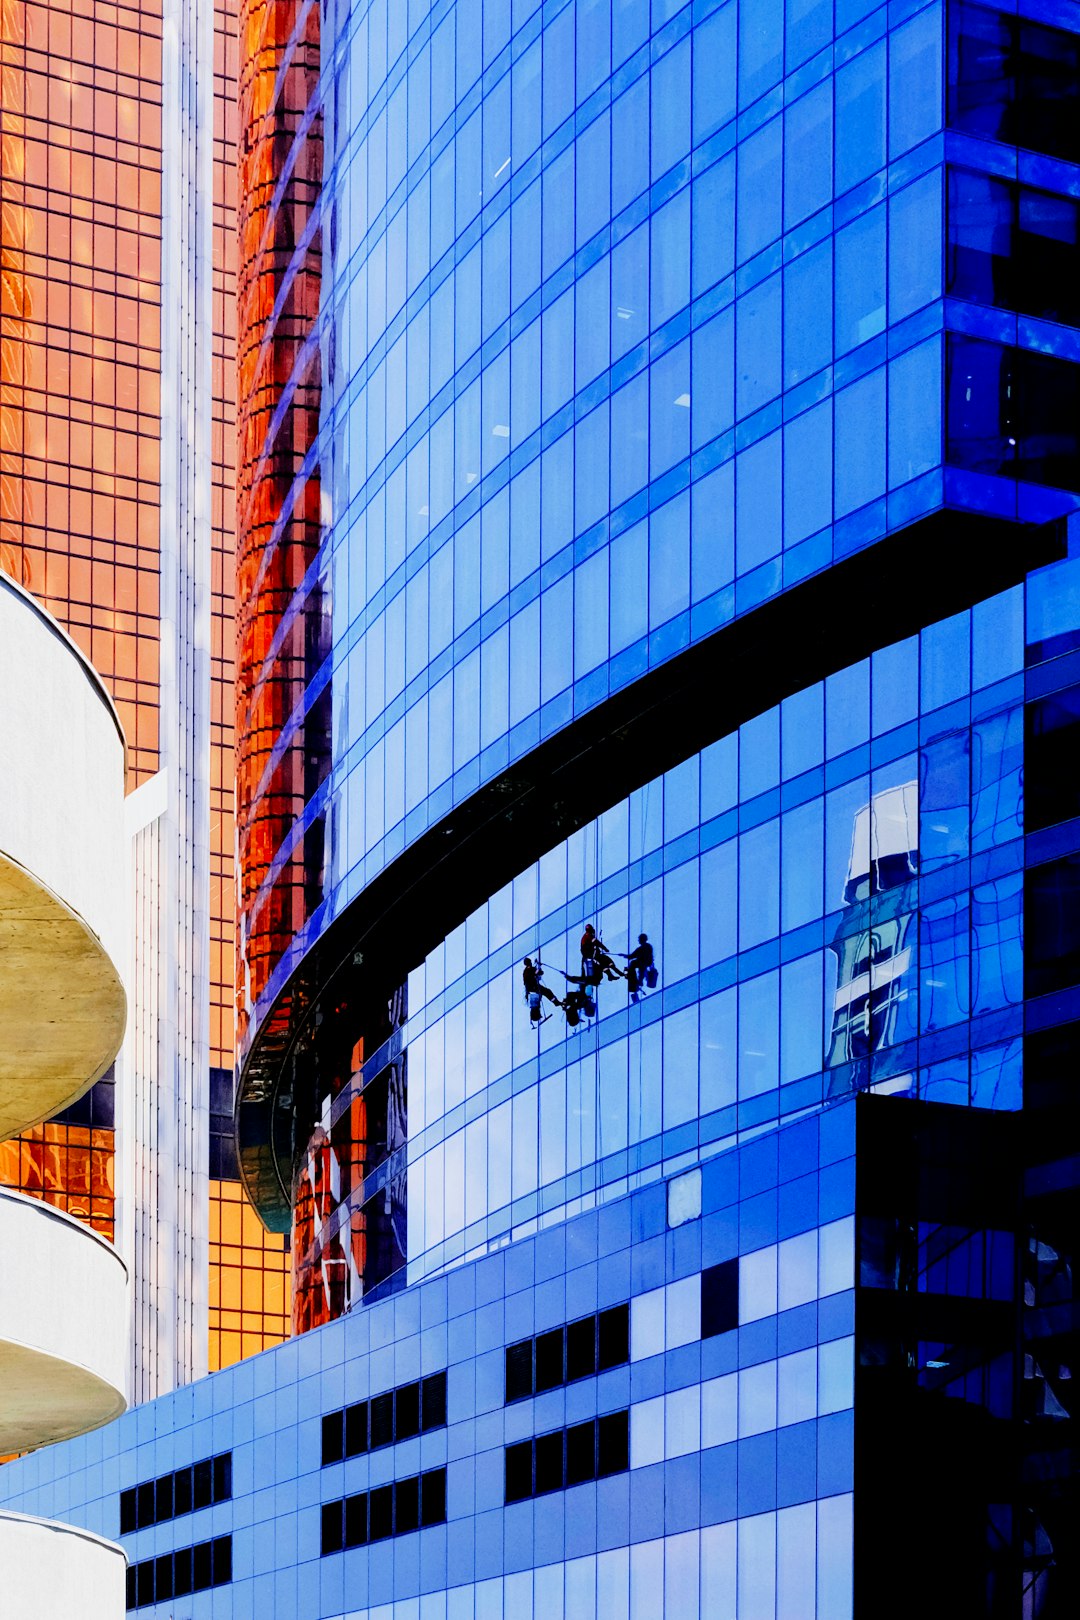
{"x": 96, "y": 1107}
{"x": 719, "y": 1299}
{"x": 519, "y": 1370}
{"x": 182, "y": 1572}
{"x": 1048, "y": 90}
{"x": 390, "y": 1510}
{"x": 1051, "y": 750}
{"x": 1051, "y": 1062}
{"x": 145, "y": 1573}
{"x": 433, "y": 1402}
{"x": 356, "y": 1520}
{"x": 182, "y": 1501}
{"x": 406, "y": 1506}
{"x": 613, "y": 1444}
{"x": 223, "y": 1477}
{"x": 223, "y": 1164}
{"x": 568, "y": 1457}
{"x": 979, "y": 259}
{"x": 519, "y": 1480}
{"x": 980, "y": 88}
{"x": 331, "y": 1540}
{"x": 201, "y": 1569}
{"x": 1049, "y": 447}
{"x": 1015, "y": 81}
{"x": 222, "y": 1559}
{"x": 549, "y": 1462}
{"x": 549, "y": 1360}
{"x": 332, "y": 1437}
{"x": 613, "y": 1336}
{"x": 171, "y": 1496}
{"x": 394, "y": 1415}
{"x": 1013, "y": 413}
{"x": 581, "y": 1453}
{"x": 589, "y": 1345}
{"x": 163, "y": 1577}
{"x": 1046, "y": 277}
{"x": 433, "y": 1497}
{"x": 407, "y": 1412}
{"x": 131, "y": 1587}
{"x": 581, "y": 1349}
{"x": 1052, "y": 926}
{"x": 356, "y": 1435}
{"x": 981, "y": 410}
{"x": 381, "y": 1512}
{"x": 381, "y": 1408}
{"x": 1013, "y": 246}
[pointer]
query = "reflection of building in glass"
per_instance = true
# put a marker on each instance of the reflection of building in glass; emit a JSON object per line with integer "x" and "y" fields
{"x": 248, "y": 1276}
{"x": 877, "y": 935}
{"x": 80, "y": 361}
{"x": 601, "y": 360}
{"x": 82, "y": 349}
{"x": 350, "y": 1225}
{"x": 281, "y": 763}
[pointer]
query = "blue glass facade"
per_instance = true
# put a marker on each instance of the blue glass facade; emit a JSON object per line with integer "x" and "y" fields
{"x": 637, "y": 317}
{"x": 696, "y": 469}
{"x": 740, "y": 1454}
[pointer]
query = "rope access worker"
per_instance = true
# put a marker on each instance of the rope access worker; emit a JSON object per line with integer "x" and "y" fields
{"x": 596, "y": 961}
{"x": 535, "y": 990}
{"x": 578, "y": 1001}
{"x": 640, "y": 967}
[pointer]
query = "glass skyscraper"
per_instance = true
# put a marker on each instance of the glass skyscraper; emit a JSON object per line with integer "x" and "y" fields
{"x": 660, "y": 588}
{"x": 88, "y": 154}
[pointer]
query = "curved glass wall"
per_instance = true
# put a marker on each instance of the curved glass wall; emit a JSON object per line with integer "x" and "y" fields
{"x": 632, "y": 317}
{"x": 278, "y": 281}
{"x": 835, "y": 897}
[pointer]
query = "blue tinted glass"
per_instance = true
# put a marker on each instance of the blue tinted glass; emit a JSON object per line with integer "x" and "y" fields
{"x": 715, "y": 72}
{"x": 860, "y": 117}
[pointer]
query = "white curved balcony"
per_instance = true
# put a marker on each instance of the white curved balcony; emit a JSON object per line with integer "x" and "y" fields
{"x": 55, "y": 1571}
{"x": 63, "y": 1327}
{"x": 62, "y": 868}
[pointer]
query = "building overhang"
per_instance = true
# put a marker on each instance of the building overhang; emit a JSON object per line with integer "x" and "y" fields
{"x": 63, "y": 868}
{"x": 64, "y": 1323}
{"x": 936, "y": 567}
{"x": 62, "y": 1003}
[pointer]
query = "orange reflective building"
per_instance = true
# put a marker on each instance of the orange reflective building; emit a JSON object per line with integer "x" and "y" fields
{"x": 278, "y": 486}
{"x": 249, "y": 1269}
{"x": 80, "y": 360}
{"x": 80, "y": 204}
{"x": 280, "y": 646}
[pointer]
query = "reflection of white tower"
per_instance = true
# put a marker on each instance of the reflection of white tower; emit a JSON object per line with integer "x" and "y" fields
{"x": 872, "y": 943}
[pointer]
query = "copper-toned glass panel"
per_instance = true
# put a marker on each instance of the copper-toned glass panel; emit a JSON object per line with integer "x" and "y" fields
{"x": 278, "y": 494}
{"x": 80, "y": 360}
{"x": 249, "y": 1272}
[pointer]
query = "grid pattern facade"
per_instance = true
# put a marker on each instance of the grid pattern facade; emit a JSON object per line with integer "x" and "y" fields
{"x": 70, "y": 1166}
{"x": 80, "y": 361}
{"x": 223, "y": 524}
{"x": 279, "y": 381}
{"x": 619, "y": 321}
{"x": 834, "y": 898}
{"x": 81, "y": 203}
{"x": 639, "y": 317}
{"x": 248, "y": 1313}
{"x": 739, "y": 1442}
{"x": 79, "y": 464}
{"x": 249, "y": 1288}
